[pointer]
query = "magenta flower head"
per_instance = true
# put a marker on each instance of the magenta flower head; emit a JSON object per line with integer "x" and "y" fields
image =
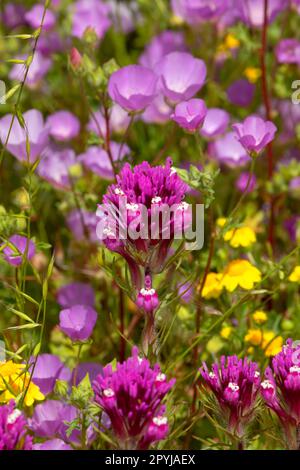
{"x": 133, "y": 87}
{"x": 254, "y": 133}
{"x": 229, "y": 151}
{"x": 35, "y": 15}
{"x": 147, "y": 298}
{"x": 13, "y": 429}
{"x": 281, "y": 389}
{"x": 46, "y": 371}
{"x": 288, "y": 51}
{"x": 19, "y": 245}
{"x": 78, "y": 322}
{"x": 136, "y": 200}
{"x": 76, "y": 293}
{"x": 235, "y": 383}
{"x": 215, "y": 123}
{"x": 132, "y": 397}
{"x": 63, "y": 126}
{"x": 93, "y": 14}
{"x": 180, "y": 83}
{"x": 37, "y": 135}
{"x": 190, "y": 114}
{"x": 241, "y": 93}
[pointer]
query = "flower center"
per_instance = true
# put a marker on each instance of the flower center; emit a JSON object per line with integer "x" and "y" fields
{"x": 108, "y": 392}
{"x": 160, "y": 420}
{"x": 233, "y": 386}
{"x": 12, "y": 418}
{"x": 267, "y": 385}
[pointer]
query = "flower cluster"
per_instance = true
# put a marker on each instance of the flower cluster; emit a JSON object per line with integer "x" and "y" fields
{"x": 281, "y": 389}
{"x": 13, "y": 435}
{"x": 132, "y": 398}
{"x": 235, "y": 383}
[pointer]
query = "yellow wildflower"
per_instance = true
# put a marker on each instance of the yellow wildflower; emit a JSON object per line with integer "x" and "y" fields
{"x": 254, "y": 337}
{"x": 272, "y": 344}
{"x": 14, "y": 381}
{"x": 252, "y": 73}
{"x": 295, "y": 275}
{"x": 260, "y": 317}
{"x": 230, "y": 42}
{"x": 212, "y": 287}
{"x": 226, "y": 332}
{"x": 221, "y": 221}
{"x": 240, "y": 273}
{"x": 239, "y": 236}
{"x": 267, "y": 341}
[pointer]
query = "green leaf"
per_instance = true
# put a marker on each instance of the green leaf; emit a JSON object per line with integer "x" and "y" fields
{"x": 21, "y": 315}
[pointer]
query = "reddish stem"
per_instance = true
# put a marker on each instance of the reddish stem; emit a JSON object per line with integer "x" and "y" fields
{"x": 122, "y": 325}
{"x": 268, "y": 111}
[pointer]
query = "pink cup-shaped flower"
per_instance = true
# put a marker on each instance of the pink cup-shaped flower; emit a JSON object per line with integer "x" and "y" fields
{"x": 97, "y": 159}
{"x": 288, "y": 51}
{"x": 160, "y": 45}
{"x": 15, "y": 256}
{"x": 241, "y": 93}
{"x": 229, "y": 151}
{"x": 92, "y": 14}
{"x": 181, "y": 76}
{"x": 254, "y": 133}
{"x": 35, "y": 15}
{"x": 63, "y": 126}
{"x": 38, "y": 69}
{"x": 76, "y": 293}
{"x": 252, "y": 11}
{"x": 243, "y": 181}
{"x": 37, "y": 135}
{"x": 78, "y": 322}
{"x": 55, "y": 166}
{"x": 196, "y": 11}
{"x": 133, "y": 87}
{"x": 215, "y": 122}
{"x": 48, "y": 369}
{"x": 190, "y": 114}
{"x": 118, "y": 121}
{"x": 52, "y": 444}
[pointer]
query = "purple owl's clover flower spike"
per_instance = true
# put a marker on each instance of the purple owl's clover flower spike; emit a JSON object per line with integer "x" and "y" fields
{"x": 132, "y": 398}
{"x": 254, "y": 134}
{"x": 235, "y": 383}
{"x": 147, "y": 298}
{"x": 281, "y": 390}
{"x": 13, "y": 429}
